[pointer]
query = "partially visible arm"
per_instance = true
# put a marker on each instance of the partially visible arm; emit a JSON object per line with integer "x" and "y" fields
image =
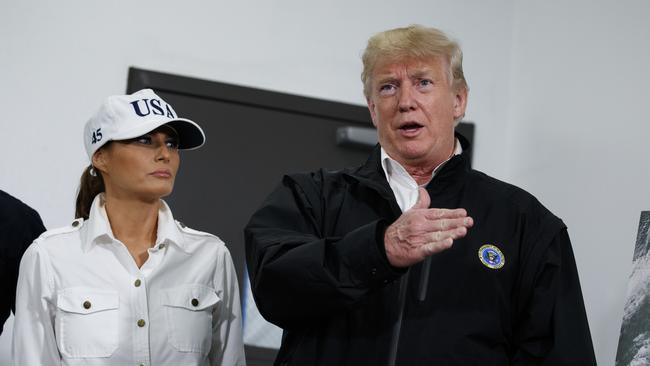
{"x": 553, "y": 330}
{"x": 227, "y": 342}
{"x": 34, "y": 342}
{"x": 17, "y": 231}
{"x": 298, "y": 273}
{"x": 7, "y": 288}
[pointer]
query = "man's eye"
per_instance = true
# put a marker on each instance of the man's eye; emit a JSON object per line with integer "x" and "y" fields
{"x": 426, "y": 82}
{"x": 387, "y": 89}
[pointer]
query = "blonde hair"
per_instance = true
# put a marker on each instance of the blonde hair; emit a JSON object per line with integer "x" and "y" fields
{"x": 414, "y": 42}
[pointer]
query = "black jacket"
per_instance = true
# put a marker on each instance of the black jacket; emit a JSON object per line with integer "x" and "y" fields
{"x": 19, "y": 226}
{"x": 318, "y": 269}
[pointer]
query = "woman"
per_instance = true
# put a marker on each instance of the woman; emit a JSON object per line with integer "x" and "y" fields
{"x": 125, "y": 284}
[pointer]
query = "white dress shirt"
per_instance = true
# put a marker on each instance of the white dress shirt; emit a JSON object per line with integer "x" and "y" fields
{"x": 404, "y": 187}
{"x": 82, "y": 300}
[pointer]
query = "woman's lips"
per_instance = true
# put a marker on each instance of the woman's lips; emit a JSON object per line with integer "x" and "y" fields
{"x": 162, "y": 174}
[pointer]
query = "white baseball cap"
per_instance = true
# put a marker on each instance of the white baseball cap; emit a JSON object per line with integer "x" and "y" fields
{"x": 123, "y": 117}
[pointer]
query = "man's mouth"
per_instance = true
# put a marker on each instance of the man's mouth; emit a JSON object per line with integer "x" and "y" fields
{"x": 410, "y": 126}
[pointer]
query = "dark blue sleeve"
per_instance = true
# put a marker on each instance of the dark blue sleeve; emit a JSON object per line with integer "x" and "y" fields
{"x": 19, "y": 226}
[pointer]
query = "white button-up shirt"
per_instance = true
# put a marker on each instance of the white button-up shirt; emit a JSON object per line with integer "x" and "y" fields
{"x": 82, "y": 300}
{"x": 404, "y": 187}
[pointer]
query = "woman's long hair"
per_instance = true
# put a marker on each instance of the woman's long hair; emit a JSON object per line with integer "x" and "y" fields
{"x": 89, "y": 187}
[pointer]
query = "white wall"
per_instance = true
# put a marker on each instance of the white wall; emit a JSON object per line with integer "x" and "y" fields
{"x": 58, "y": 60}
{"x": 578, "y": 126}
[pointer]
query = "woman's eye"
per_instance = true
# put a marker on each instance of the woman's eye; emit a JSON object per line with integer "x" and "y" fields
{"x": 172, "y": 144}
{"x": 144, "y": 140}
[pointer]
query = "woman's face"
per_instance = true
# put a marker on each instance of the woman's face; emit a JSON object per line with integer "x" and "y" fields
{"x": 142, "y": 168}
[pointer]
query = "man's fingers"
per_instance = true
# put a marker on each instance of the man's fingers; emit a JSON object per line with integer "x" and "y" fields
{"x": 454, "y": 233}
{"x": 441, "y": 240}
{"x": 423, "y": 232}
{"x": 435, "y": 247}
{"x": 458, "y": 232}
{"x": 447, "y": 224}
{"x": 444, "y": 213}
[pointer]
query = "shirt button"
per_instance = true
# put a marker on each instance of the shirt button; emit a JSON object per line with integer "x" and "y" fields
{"x": 137, "y": 283}
{"x": 195, "y": 302}
{"x": 75, "y": 223}
{"x": 373, "y": 271}
{"x": 87, "y": 304}
{"x": 141, "y": 323}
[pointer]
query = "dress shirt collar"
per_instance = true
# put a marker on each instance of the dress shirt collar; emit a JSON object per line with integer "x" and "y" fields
{"x": 97, "y": 229}
{"x": 393, "y": 170}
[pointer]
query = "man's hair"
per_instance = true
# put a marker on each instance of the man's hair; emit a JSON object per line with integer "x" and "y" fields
{"x": 412, "y": 42}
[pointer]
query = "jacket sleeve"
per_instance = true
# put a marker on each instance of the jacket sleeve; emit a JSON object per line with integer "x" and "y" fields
{"x": 34, "y": 342}
{"x": 553, "y": 329}
{"x": 227, "y": 342}
{"x": 17, "y": 232}
{"x": 297, "y": 273}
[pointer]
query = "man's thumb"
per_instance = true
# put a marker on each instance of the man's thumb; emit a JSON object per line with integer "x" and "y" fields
{"x": 423, "y": 199}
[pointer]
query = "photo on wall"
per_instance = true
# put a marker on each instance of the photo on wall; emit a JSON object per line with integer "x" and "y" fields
{"x": 634, "y": 340}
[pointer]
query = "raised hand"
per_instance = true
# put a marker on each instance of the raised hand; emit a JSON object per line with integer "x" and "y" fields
{"x": 422, "y": 231}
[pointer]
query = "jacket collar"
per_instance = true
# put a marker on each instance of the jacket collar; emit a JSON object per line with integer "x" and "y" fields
{"x": 372, "y": 175}
{"x": 97, "y": 229}
{"x": 450, "y": 177}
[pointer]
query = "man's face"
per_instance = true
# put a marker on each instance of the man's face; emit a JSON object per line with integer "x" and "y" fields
{"x": 414, "y": 107}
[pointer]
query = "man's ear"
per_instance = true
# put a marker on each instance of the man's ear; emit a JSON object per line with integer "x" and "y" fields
{"x": 460, "y": 103}
{"x": 371, "y": 108}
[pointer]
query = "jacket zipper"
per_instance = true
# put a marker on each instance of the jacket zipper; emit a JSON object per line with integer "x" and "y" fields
{"x": 403, "y": 286}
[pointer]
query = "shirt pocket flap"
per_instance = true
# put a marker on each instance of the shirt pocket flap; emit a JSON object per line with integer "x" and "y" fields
{"x": 84, "y": 300}
{"x": 191, "y": 297}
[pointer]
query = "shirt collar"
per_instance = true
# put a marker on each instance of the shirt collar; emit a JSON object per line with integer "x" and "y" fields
{"x": 97, "y": 229}
{"x": 394, "y": 170}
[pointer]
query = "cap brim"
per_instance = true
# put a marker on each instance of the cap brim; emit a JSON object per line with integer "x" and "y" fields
{"x": 190, "y": 135}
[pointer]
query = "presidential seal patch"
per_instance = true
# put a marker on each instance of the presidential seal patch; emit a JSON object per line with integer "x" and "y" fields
{"x": 491, "y": 256}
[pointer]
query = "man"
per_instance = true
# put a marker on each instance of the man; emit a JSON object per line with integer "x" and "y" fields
{"x": 383, "y": 264}
{"x": 19, "y": 226}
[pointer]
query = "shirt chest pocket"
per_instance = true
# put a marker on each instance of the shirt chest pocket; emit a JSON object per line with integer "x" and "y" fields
{"x": 188, "y": 311}
{"x": 86, "y": 322}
